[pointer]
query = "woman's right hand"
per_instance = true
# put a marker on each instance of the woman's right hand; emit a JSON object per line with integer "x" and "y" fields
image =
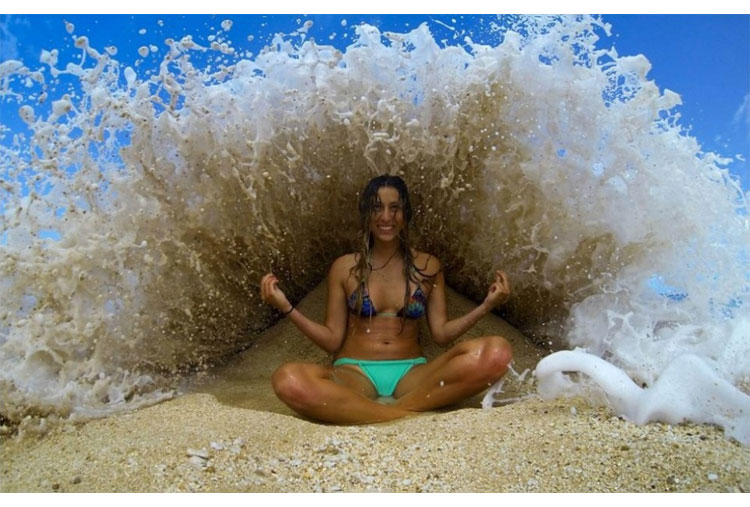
{"x": 271, "y": 294}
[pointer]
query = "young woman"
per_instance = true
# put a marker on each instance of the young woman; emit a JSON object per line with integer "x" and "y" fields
{"x": 375, "y": 297}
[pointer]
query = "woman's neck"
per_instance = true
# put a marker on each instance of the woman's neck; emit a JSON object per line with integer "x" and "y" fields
{"x": 382, "y": 254}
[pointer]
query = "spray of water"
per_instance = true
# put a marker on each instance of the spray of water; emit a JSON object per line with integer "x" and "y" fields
{"x": 139, "y": 215}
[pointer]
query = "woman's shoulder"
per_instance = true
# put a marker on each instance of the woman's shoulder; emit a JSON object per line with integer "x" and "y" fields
{"x": 346, "y": 261}
{"x": 426, "y": 263}
{"x": 344, "y": 264}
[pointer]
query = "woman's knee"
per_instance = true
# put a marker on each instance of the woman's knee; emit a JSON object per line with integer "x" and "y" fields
{"x": 492, "y": 355}
{"x": 292, "y": 384}
{"x": 499, "y": 352}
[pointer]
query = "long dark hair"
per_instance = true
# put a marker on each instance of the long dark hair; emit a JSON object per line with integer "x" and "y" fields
{"x": 368, "y": 202}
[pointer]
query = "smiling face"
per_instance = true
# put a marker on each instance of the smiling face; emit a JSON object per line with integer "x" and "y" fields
{"x": 387, "y": 219}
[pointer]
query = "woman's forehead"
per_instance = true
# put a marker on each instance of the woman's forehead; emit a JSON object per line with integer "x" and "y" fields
{"x": 388, "y": 195}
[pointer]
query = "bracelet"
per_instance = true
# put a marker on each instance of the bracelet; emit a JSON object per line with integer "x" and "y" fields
{"x": 290, "y": 311}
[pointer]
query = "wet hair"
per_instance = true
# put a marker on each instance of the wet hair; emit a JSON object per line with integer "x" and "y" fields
{"x": 369, "y": 201}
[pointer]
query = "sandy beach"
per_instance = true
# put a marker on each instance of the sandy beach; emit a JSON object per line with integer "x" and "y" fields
{"x": 229, "y": 433}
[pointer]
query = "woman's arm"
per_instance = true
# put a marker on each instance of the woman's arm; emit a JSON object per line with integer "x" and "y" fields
{"x": 328, "y": 336}
{"x": 445, "y": 331}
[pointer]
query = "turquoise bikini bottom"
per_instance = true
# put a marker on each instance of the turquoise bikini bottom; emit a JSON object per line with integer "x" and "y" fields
{"x": 384, "y": 375}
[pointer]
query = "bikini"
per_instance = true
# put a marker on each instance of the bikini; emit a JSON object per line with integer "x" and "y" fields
{"x": 414, "y": 309}
{"x": 385, "y": 375}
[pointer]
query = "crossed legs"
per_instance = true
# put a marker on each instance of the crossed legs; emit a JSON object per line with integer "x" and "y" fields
{"x": 344, "y": 395}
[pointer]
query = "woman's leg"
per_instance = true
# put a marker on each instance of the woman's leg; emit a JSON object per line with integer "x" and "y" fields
{"x": 466, "y": 369}
{"x": 338, "y": 395}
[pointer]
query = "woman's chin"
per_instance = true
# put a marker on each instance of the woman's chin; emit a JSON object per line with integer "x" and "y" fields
{"x": 385, "y": 237}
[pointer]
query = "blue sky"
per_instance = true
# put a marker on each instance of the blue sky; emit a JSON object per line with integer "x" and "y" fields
{"x": 704, "y": 58}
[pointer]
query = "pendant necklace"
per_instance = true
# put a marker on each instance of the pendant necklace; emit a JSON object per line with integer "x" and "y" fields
{"x": 369, "y": 263}
{"x": 384, "y": 265}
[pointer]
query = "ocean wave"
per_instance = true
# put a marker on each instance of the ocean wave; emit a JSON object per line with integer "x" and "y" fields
{"x": 140, "y": 214}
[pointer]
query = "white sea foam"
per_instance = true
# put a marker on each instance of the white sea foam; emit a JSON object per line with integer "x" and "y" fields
{"x": 172, "y": 194}
{"x": 687, "y": 390}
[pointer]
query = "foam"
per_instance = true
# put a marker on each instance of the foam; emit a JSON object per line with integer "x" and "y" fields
{"x": 170, "y": 195}
{"x": 687, "y": 390}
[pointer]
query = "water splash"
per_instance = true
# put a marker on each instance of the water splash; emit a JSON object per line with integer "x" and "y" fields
{"x": 140, "y": 213}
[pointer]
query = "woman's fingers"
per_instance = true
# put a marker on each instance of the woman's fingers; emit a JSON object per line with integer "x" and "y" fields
{"x": 268, "y": 285}
{"x": 501, "y": 277}
{"x": 270, "y": 292}
{"x": 499, "y": 290}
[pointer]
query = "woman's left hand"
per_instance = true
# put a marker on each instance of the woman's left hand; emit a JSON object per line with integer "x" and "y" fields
{"x": 499, "y": 291}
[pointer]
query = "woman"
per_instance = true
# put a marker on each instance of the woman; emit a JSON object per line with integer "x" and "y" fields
{"x": 375, "y": 297}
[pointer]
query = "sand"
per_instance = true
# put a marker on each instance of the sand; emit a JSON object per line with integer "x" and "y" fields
{"x": 229, "y": 433}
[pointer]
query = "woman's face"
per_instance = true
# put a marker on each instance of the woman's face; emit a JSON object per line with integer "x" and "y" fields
{"x": 388, "y": 216}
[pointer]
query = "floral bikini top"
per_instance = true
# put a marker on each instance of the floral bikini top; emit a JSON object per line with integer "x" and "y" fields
{"x": 413, "y": 310}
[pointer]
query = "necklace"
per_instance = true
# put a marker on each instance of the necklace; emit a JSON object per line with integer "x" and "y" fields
{"x": 384, "y": 265}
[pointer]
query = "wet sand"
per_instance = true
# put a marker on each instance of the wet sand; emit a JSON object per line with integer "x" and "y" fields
{"x": 229, "y": 433}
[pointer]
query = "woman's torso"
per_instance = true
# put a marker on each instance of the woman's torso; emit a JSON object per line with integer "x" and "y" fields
{"x": 376, "y": 330}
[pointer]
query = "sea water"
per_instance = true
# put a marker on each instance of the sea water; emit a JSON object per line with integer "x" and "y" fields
{"x": 140, "y": 209}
